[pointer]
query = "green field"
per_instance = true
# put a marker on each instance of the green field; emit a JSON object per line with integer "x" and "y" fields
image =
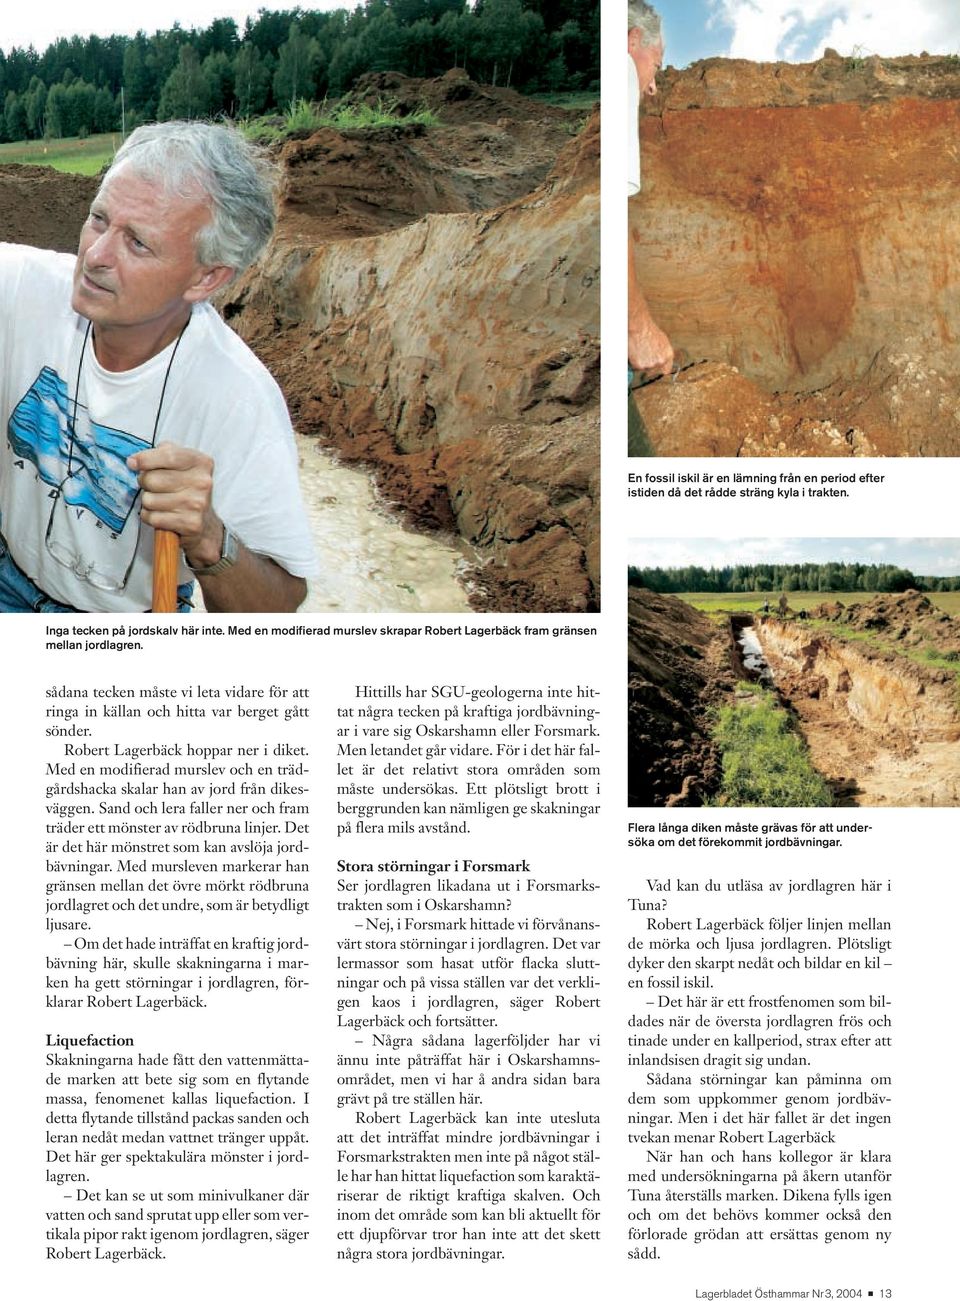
{"x": 87, "y": 157}
{"x": 752, "y": 602}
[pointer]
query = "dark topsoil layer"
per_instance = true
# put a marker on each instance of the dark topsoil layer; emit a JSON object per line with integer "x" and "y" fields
{"x": 678, "y": 668}
{"x": 833, "y": 79}
{"x": 44, "y": 208}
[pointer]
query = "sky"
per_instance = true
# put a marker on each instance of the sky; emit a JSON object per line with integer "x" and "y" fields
{"x": 42, "y": 23}
{"x": 800, "y": 30}
{"x": 930, "y": 557}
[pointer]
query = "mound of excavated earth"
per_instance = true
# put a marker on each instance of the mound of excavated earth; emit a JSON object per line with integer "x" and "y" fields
{"x": 456, "y": 353}
{"x": 457, "y": 100}
{"x": 678, "y": 668}
{"x": 493, "y": 146}
{"x": 906, "y": 619}
{"x": 798, "y": 237}
{"x": 44, "y": 208}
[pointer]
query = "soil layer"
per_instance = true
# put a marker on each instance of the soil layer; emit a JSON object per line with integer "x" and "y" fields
{"x": 679, "y": 667}
{"x": 44, "y": 208}
{"x": 456, "y": 353}
{"x": 797, "y": 238}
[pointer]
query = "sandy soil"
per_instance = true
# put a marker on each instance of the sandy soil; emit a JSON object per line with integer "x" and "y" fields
{"x": 370, "y": 559}
{"x": 797, "y": 236}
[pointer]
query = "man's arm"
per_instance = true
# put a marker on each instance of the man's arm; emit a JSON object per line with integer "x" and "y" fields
{"x": 177, "y": 484}
{"x": 648, "y": 348}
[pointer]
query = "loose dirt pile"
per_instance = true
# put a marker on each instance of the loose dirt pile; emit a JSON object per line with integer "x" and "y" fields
{"x": 458, "y": 353}
{"x": 905, "y": 619}
{"x": 678, "y": 669}
{"x": 494, "y": 146}
{"x": 458, "y": 101}
{"x": 44, "y": 208}
{"x": 799, "y": 229}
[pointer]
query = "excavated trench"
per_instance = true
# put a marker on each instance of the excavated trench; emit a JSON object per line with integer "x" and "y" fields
{"x": 880, "y": 728}
{"x": 749, "y": 658}
{"x": 871, "y": 685}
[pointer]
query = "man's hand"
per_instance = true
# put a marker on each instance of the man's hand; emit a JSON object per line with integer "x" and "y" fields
{"x": 648, "y": 348}
{"x": 177, "y": 487}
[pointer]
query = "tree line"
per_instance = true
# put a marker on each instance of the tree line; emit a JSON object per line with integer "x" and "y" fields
{"x": 81, "y": 85}
{"x": 831, "y": 576}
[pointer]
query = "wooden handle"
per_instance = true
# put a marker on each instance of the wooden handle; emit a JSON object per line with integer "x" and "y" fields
{"x": 166, "y": 562}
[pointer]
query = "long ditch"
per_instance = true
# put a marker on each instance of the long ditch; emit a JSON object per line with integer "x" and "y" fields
{"x": 879, "y": 728}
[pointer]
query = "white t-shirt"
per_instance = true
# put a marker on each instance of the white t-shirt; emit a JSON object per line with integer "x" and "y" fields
{"x": 68, "y": 503}
{"x": 633, "y": 128}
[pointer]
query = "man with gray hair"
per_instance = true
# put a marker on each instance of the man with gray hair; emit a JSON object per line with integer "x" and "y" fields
{"x": 648, "y": 348}
{"x": 130, "y": 406}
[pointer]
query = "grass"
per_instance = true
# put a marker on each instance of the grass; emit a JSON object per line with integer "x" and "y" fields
{"x": 946, "y": 601}
{"x": 765, "y": 762}
{"x": 941, "y": 657}
{"x": 750, "y": 688}
{"x": 86, "y": 157}
{"x": 304, "y": 115}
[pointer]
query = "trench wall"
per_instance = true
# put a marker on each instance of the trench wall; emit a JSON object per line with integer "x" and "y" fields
{"x": 890, "y": 697}
{"x": 797, "y": 243}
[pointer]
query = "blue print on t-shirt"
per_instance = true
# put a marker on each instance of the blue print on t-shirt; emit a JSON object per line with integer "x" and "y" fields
{"x": 86, "y": 460}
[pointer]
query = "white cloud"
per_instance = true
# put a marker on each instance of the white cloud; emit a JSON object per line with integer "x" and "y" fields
{"x": 778, "y": 29}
